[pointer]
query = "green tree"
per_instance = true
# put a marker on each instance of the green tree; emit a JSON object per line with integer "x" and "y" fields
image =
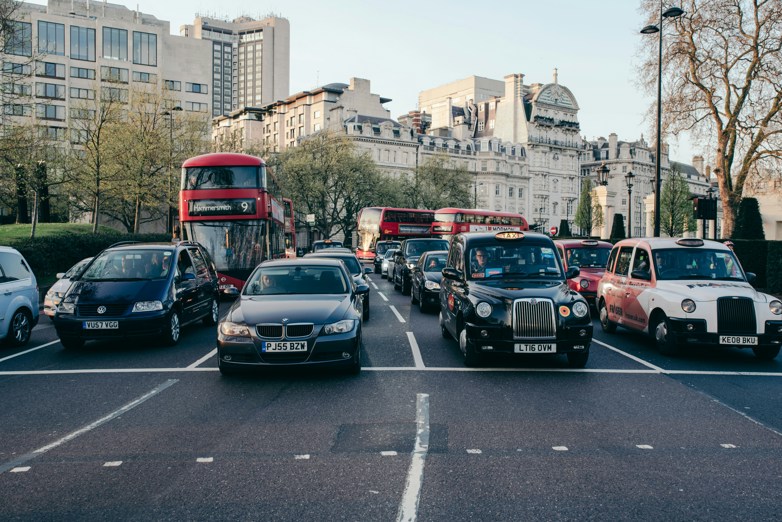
{"x": 440, "y": 183}
{"x": 618, "y": 228}
{"x": 749, "y": 223}
{"x": 589, "y": 213}
{"x": 676, "y": 214}
{"x": 564, "y": 228}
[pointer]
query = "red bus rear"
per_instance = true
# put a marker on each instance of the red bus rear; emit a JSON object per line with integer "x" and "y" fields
{"x": 451, "y": 221}
{"x": 382, "y": 223}
{"x": 227, "y": 203}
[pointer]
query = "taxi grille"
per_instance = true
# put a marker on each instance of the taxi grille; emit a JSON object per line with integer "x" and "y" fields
{"x": 291, "y": 331}
{"x": 112, "y": 310}
{"x": 534, "y": 319}
{"x": 736, "y": 315}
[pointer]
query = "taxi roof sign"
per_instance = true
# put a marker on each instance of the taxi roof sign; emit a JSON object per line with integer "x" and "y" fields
{"x": 509, "y": 234}
{"x": 690, "y": 242}
{"x": 589, "y": 242}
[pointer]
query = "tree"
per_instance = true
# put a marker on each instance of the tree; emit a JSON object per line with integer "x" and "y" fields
{"x": 676, "y": 211}
{"x": 564, "y": 228}
{"x": 722, "y": 70}
{"x": 618, "y": 228}
{"x": 589, "y": 213}
{"x": 749, "y": 223}
{"x": 438, "y": 183}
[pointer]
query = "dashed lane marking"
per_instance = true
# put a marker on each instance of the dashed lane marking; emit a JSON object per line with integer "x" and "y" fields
{"x": 643, "y": 446}
{"x": 388, "y": 453}
{"x": 30, "y": 350}
{"x": 301, "y": 457}
{"x": 559, "y": 448}
{"x": 397, "y": 314}
{"x": 382, "y": 296}
{"x": 205, "y": 460}
{"x": 419, "y": 361}
{"x": 113, "y": 464}
{"x": 408, "y": 507}
{"x": 474, "y": 451}
{"x": 20, "y": 469}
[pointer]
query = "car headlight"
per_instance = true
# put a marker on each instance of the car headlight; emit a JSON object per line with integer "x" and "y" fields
{"x": 483, "y": 309}
{"x": 147, "y": 306}
{"x": 410, "y": 266}
{"x": 343, "y": 326}
{"x": 688, "y": 305}
{"x": 432, "y": 285}
{"x": 775, "y": 307}
{"x": 230, "y": 329}
{"x": 66, "y": 308}
{"x": 580, "y": 309}
{"x": 583, "y": 284}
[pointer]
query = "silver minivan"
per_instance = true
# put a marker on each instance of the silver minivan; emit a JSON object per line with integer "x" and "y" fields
{"x": 18, "y": 297}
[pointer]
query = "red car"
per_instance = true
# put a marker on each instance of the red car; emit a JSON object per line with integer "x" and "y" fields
{"x": 591, "y": 256}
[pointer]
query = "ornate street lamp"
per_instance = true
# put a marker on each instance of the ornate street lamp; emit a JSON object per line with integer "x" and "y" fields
{"x": 672, "y": 12}
{"x": 170, "y": 114}
{"x": 629, "y": 180}
{"x": 602, "y": 174}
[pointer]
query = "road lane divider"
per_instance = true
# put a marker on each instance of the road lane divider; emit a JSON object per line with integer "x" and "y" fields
{"x": 30, "y": 350}
{"x": 204, "y": 359}
{"x": 383, "y": 296}
{"x": 408, "y": 507}
{"x": 419, "y": 361}
{"x": 630, "y": 356}
{"x": 397, "y": 314}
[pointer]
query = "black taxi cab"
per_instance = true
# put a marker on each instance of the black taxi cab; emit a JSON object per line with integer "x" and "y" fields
{"x": 507, "y": 293}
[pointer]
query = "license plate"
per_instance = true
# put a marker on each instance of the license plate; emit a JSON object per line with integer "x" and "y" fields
{"x": 535, "y": 348}
{"x": 101, "y": 325}
{"x": 739, "y": 340}
{"x": 284, "y": 346}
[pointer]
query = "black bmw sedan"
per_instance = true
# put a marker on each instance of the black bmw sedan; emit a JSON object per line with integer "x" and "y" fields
{"x": 294, "y": 312}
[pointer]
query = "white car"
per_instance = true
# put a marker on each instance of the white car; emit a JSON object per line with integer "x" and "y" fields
{"x": 387, "y": 267}
{"x": 55, "y": 294}
{"x": 687, "y": 291}
{"x": 18, "y": 297}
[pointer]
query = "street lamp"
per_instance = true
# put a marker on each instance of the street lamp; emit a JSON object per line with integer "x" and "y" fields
{"x": 602, "y": 174}
{"x": 629, "y": 180}
{"x": 672, "y": 12}
{"x": 170, "y": 114}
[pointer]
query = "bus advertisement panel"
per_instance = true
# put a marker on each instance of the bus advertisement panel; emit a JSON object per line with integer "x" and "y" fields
{"x": 382, "y": 223}
{"x": 227, "y": 203}
{"x": 451, "y": 221}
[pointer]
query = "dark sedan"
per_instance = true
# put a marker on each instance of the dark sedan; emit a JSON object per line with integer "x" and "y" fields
{"x": 294, "y": 312}
{"x": 427, "y": 275}
{"x": 357, "y": 270}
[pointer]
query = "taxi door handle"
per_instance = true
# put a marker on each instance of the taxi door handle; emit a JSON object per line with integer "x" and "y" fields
{"x": 627, "y": 294}
{"x": 7, "y": 293}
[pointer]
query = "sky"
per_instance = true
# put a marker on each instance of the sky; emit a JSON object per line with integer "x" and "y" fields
{"x": 406, "y": 46}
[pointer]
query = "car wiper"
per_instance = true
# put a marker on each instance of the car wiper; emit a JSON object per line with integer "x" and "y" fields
{"x": 694, "y": 276}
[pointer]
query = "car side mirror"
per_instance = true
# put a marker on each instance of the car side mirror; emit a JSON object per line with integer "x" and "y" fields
{"x": 367, "y": 270}
{"x": 751, "y": 276}
{"x": 59, "y": 275}
{"x": 641, "y": 274}
{"x": 572, "y": 272}
{"x": 452, "y": 273}
{"x": 362, "y": 289}
{"x": 231, "y": 291}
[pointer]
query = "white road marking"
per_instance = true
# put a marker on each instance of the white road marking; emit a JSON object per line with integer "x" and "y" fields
{"x": 205, "y": 460}
{"x": 728, "y": 446}
{"x": 629, "y": 356}
{"x": 559, "y": 448}
{"x": 374, "y": 285}
{"x": 20, "y": 469}
{"x": 388, "y": 453}
{"x": 419, "y": 361}
{"x": 408, "y": 507}
{"x": 301, "y": 457}
{"x": 30, "y": 350}
{"x": 203, "y": 359}
{"x": 382, "y": 296}
{"x": 474, "y": 451}
{"x": 129, "y": 406}
{"x": 398, "y": 316}
{"x": 113, "y": 464}
{"x": 643, "y": 446}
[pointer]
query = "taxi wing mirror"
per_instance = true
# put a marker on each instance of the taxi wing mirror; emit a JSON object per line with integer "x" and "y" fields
{"x": 231, "y": 291}
{"x": 751, "y": 276}
{"x": 572, "y": 272}
{"x": 641, "y": 274}
{"x": 452, "y": 273}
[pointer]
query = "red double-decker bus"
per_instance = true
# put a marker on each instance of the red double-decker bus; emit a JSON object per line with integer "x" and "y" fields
{"x": 290, "y": 227}
{"x": 382, "y": 223}
{"x": 228, "y": 203}
{"x": 450, "y": 221}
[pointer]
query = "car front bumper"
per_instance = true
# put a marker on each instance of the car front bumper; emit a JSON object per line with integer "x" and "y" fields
{"x": 499, "y": 339}
{"x": 146, "y": 324}
{"x": 693, "y": 331}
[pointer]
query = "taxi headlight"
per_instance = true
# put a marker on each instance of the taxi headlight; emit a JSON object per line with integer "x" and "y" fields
{"x": 343, "y": 326}
{"x": 483, "y": 309}
{"x": 775, "y": 307}
{"x": 688, "y": 305}
{"x": 432, "y": 285}
{"x": 230, "y": 329}
{"x": 580, "y": 309}
{"x": 147, "y": 306}
{"x": 584, "y": 284}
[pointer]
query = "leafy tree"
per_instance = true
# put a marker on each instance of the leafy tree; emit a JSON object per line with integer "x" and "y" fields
{"x": 438, "y": 183}
{"x": 618, "y": 228}
{"x": 564, "y": 228}
{"x": 722, "y": 64}
{"x": 589, "y": 213}
{"x": 676, "y": 213}
{"x": 749, "y": 223}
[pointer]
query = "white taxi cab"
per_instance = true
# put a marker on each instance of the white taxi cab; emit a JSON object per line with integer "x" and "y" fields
{"x": 687, "y": 291}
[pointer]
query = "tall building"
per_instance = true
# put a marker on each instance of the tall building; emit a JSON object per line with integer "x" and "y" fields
{"x": 250, "y": 60}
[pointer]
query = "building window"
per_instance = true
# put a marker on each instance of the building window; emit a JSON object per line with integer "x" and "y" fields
{"x": 497, "y": 189}
{"x": 484, "y": 166}
{"x": 16, "y": 68}
{"x": 316, "y": 127}
{"x": 17, "y": 109}
{"x": 113, "y": 74}
{"x": 82, "y": 43}
{"x": 51, "y": 38}
{"x": 50, "y": 70}
{"x": 81, "y": 114}
{"x": 196, "y": 107}
{"x": 317, "y": 114}
{"x": 17, "y": 89}
{"x": 144, "y": 48}
{"x": 53, "y": 133}
{"x": 114, "y": 94}
{"x": 115, "y": 43}
{"x": 19, "y": 38}
{"x": 50, "y": 90}
{"x": 82, "y": 72}
{"x": 200, "y": 88}
{"x": 82, "y": 94}
{"x": 491, "y": 124}
{"x": 79, "y": 136}
{"x": 510, "y": 192}
{"x": 50, "y": 112}
{"x": 172, "y": 85}
{"x": 481, "y": 125}
{"x": 144, "y": 77}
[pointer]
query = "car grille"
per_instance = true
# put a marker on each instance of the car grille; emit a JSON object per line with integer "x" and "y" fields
{"x": 534, "y": 319}
{"x": 736, "y": 315}
{"x": 292, "y": 331}
{"x": 112, "y": 310}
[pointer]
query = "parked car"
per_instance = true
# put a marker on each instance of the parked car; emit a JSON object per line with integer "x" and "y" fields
{"x": 387, "y": 266}
{"x": 294, "y": 312}
{"x": 381, "y": 247}
{"x": 507, "y": 293}
{"x": 407, "y": 256}
{"x": 326, "y": 243}
{"x": 55, "y": 294}
{"x": 590, "y": 256}
{"x": 687, "y": 291}
{"x": 139, "y": 289}
{"x": 427, "y": 275}
{"x": 355, "y": 268}
{"x": 18, "y": 298}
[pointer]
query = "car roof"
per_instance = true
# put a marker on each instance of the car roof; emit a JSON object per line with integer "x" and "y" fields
{"x": 9, "y": 249}
{"x": 657, "y": 243}
{"x": 431, "y": 252}
{"x": 331, "y": 252}
{"x": 133, "y": 245}
{"x": 576, "y": 243}
{"x": 487, "y": 237}
{"x": 306, "y": 260}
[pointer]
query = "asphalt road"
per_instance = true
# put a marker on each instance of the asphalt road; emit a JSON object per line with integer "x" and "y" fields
{"x": 141, "y": 431}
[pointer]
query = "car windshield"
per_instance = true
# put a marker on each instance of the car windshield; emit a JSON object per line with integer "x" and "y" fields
{"x": 382, "y": 248}
{"x": 76, "y": 269}
{"x": 320, "y": 245}
{"x": 299, "y": 279}
{"x": 416, "y": 248}
{"x": 588, "y": 257}
{"x": 435, "y": 262}
{"x": 129, "y": 264}
{"x": 390, "y": 253}
{"x": 351, "y": 262}
{"x": 690, "y": 263}
{"x": 499, "y": 261}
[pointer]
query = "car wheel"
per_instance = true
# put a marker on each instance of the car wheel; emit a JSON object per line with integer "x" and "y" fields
{"x": 405, "y": 287}
{"x": 214, "y": 313}
{"x": 383, "y": 275}
{"x": 606, "y": 324}
{"x": 20, "y": 328}
{"x": 422, "y": 306}
{"x": 355, "y": 365}
{"x": 664, "y": 337}
{"x": 366, "y": 309}
{"x": 413, "y": 298}
{"x": 471, "y": 357}
{"x": 171, "y": 335}
{"x": 397, "y": 286}
{"x": 443, "y": 330}
{"x": 766, "y": 353}
{"x": 377, "y": 269}
{"x": 577, "y": 359}
{"x": 71, "y": 343}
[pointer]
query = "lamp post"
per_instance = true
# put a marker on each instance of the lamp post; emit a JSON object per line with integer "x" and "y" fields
{"x": 672, "y": 12}
{"x": 170, "y": 114}
{"x": 710, "y": 194}
{"x": 629, "y": 180}
{"x": 602, "y": 174}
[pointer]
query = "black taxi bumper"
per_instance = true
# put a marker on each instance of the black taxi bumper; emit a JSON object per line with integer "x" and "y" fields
{"x": 499, "y": 339}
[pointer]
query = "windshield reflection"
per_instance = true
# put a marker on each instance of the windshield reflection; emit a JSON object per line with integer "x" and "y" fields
{"x": 233, "y": 245}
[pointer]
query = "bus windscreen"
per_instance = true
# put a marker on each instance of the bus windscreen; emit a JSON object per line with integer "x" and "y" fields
{"x": 200, "y": 178}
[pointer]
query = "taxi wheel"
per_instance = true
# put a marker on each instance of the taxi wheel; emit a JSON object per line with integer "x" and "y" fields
{"x": 365, "y": 310}
{"x": 397, "y": 286}
{"x": 471, "y": 357}
{"x": 173, "y": 330}
{"x": 664, "y": 338}
{"x": 214, "y": 313}
{"x": 443, "y": 329}
{"x": 766, "y": 353}
{"x": 20, "y": 328}
{"x": 606, "y": 324}
{"x": 577, "y": 359}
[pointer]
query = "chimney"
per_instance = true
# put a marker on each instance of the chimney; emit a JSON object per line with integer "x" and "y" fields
{"x": 697, "y": 162}
{"x": 612, "y": 151}
{"x": 514, "y": 86}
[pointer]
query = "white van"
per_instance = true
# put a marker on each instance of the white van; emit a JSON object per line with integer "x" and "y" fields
{"x": 18, "y": 297}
